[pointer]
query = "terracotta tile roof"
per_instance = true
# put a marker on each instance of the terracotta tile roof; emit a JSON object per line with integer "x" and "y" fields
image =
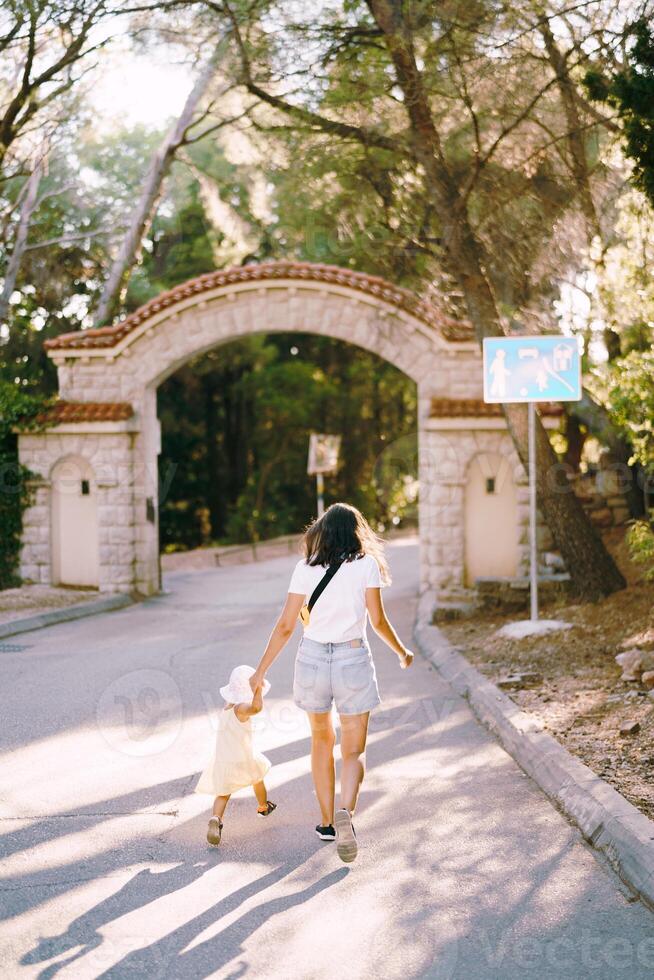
{"x": 262, "y": 272}
{"x": 450, "y": 408}
{"x": 63, "y": 411}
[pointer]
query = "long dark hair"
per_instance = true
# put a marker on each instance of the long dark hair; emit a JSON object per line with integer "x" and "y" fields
{"x": 343, "y": 530}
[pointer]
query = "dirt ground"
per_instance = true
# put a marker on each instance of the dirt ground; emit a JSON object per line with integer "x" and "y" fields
{"x": 581, "y": 699}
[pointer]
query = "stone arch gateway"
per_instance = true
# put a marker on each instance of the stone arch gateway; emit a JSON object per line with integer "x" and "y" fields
{"x": 106, "y": 413}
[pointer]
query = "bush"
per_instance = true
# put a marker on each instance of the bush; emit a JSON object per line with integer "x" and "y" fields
{"x": 15, "y": 405}
{"x": 640, "y": 541}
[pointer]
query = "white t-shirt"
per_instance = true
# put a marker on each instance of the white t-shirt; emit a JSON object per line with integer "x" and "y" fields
{"x": 340, "y": 611}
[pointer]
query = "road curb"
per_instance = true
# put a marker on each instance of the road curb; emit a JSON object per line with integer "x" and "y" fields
{"x": 78, "y": 611}
{"x": 605, "y": 818}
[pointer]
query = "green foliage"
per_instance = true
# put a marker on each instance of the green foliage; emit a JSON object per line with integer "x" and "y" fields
{"x": 181, "y": 246}
{"x": 504, "y": 143}
{"x": 640, "y": 541}
{"x": 627, "y": 389}
{"x": 15, "y": 404}
{"x": 352, "y": 207}
{"x": 236, "y": 422}
{"x": 238, "y": 450}
{"x": 631, "y": 92}
{"x": 624, "y": 299}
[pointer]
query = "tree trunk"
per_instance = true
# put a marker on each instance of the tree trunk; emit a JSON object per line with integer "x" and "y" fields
{"x": 593, "y": 572}
{"x": 130, "y": 249}
{"x": 575, "y": 439}
{"x": 20, "y": 241}
{"x": 265, "y": 471}
{"x": 214, "y": 489}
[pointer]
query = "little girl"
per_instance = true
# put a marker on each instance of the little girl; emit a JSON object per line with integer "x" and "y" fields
{"x": 236, "y": 763}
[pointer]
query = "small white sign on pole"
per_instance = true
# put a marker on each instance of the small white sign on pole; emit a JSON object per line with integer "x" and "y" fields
{"x": 323, "y": 453}
{"x": 323, "y": 458}
{"x": 542, "y": 368}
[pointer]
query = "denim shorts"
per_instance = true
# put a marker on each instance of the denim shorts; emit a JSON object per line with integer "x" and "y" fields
{"x": 335, "y": 672}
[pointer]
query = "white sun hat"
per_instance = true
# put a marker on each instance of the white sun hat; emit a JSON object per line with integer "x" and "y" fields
{"x": 238, "y": 690}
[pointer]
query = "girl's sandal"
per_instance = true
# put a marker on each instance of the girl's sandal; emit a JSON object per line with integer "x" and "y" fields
{"x": 214, "y": 831}
{"x": 269, "y": 809}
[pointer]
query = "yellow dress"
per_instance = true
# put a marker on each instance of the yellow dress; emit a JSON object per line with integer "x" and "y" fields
{"x": 235, "y": 763}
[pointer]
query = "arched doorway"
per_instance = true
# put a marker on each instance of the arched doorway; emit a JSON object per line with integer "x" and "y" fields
{"x": 491, "y": 519}
{"x": 74, "y": 522}
{"x": 235, "y": 436}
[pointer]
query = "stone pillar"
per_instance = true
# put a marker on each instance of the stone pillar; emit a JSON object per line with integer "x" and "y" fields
{"x": 441, "y": 515}
{"x": 147, "y": 496}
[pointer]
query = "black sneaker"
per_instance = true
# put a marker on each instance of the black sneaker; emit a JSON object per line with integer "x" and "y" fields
{"x": 326, "y": 833}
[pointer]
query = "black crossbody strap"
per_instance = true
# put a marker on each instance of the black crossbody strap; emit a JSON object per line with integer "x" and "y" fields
{"x": 323, "y": 583}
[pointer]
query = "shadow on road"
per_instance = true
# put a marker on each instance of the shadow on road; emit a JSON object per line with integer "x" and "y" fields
{"x": 169, "y": 956}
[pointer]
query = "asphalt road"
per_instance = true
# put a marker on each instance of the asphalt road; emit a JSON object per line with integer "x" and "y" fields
{"x": 465, "y": 871}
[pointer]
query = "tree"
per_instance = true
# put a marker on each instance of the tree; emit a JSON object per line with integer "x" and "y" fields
{"x": 43, "y": 45}
{"x": 28, "y": 205}
{"x": 15, "y": 405}
{"x": 481, "y": 134}
{"x": 631, "y": 92}
{"x": 141, "y": 213}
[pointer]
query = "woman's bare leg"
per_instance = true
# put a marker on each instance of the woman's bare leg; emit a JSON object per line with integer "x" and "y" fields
{"x": 323, "y": 740}
{"x": 354, "y": 732}
{"x": 219, "y": 805}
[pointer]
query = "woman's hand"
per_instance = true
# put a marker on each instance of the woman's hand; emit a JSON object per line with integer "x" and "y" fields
{"x": 406, "y": 659}
{"x": 256, "y": 681}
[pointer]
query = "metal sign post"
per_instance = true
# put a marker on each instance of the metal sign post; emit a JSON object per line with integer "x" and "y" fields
{"x": 323, "y": 458}
{"x": 533, "y": 550}
{"x": 532, "y": 369}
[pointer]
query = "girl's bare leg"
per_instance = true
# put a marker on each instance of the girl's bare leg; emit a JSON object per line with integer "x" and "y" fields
{"x": 219, "y": 805}
{"x": 354, "y": 732}
{"x": 261, "y": 794}
{"x": 323, "y": 740}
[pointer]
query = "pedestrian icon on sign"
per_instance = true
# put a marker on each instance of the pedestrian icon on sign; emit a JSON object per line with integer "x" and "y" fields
{"x": 500, "y": 373}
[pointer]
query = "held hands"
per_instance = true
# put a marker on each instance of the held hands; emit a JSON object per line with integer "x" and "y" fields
{"x": 256, "y": 681}
{"x": 406, "y": 658}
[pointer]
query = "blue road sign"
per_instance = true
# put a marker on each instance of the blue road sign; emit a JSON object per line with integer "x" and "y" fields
{"x": 532, "y": 369}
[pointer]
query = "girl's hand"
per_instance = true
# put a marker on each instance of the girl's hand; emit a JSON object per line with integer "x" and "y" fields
{"x": 406, "y": 659}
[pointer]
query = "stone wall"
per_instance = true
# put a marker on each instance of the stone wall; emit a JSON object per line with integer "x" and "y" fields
{"x": 601, "y": 493}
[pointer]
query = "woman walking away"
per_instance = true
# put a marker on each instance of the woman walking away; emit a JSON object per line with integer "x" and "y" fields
{"x": 334, "y": 589}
